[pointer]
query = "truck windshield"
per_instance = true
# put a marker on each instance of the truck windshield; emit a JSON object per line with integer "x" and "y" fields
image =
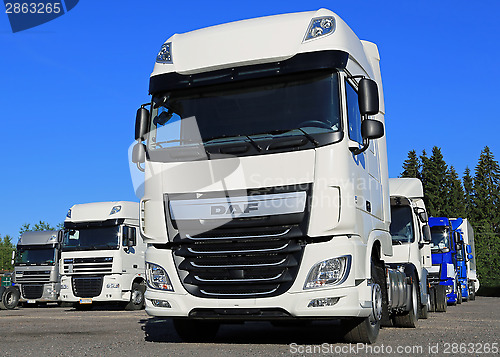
{"x": 401, "y": 225}
{"x": 303, "y": 105}
{"x": 440, "y": 239}
{"x": 35, "y": 256}
{"x": 92, "y": 238}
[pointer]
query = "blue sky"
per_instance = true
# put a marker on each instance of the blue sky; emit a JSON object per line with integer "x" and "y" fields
{"x": 70, "y": 89}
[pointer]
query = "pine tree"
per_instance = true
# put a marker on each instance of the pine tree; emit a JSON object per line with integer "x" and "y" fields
{"x": 6, "y": 249}
{"x": 434, "y": 171}
{"x": 486, "y": 188}
{"x": 486, "y": 218}
{"x": 468, "y": 185}
{"x": 411, "y": 166}
{"x": 455, "y": 199}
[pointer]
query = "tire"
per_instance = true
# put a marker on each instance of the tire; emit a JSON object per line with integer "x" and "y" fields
{"x": 459, "y": 295}
{"x": 196, "y": 330}
{"x": 136, "y": 297}
{"x": 441, "y": 299}
{"x": 472, "y": 294}
{"x": 424, "y": 311}
{"x": 9, "y": 298}
{"x": 366, "y": 330}
{"x": 409, "y": 318}
{"x": 432, "y": 299}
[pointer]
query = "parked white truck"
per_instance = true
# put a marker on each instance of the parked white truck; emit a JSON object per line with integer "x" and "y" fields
{"x": 36, "y": 267}
{"x": 266, "y": 186}
{"x": 102, "y": 257}
{"x": 411, "y": 237}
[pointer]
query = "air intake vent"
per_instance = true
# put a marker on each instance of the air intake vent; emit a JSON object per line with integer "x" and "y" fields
{"x": 87, "y": 286}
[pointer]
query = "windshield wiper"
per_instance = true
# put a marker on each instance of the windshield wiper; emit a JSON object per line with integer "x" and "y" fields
{"x": 239, "y": 137}
{"x": 309, "y": 137}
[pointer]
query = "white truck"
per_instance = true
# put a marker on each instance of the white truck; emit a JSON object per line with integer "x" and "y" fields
{"x": 36, "y": 267}
{"x": 102, "y": 258}
{"x": 411, "y": 237}
{"x": 470, "y": 258}
{"x": 266, "y": 193}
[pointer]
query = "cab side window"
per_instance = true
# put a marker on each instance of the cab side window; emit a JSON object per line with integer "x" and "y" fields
{"x": 353, "y": 114}
{"x": 128, "y": 233}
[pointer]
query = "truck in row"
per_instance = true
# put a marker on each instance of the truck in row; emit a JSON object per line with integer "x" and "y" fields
{"x": 266, "y": 189}
{"x": 97, "y": 258}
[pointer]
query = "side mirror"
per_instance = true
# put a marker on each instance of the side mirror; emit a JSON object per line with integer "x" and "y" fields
{"x": 130, "y": 242}
{"x": 141, "y": 123}
{"x": 423, "y": 216}
{"x": 470, "y": 256}
{"x": 426, "y": 233}
{"x": 139, "y": 153}
{"x": 468, "y": 248}
{"x": 372, "y": 129}
{"x": 368, "y": 100}
{"x": 13, "y": 257}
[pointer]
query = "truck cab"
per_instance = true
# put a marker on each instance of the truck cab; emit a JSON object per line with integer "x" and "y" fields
{"x": 411, "y": 235}
{"x": 265, "y": 178}
{"x": 443, "y": 248}
{"x": 102, "y": 259}
{"x": 36, "y": 267}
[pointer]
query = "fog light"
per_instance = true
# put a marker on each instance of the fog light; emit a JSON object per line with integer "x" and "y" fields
{"x": 449, "y": 289}
{"x": 160, "y": 303}
{"x": 323, "y": 302}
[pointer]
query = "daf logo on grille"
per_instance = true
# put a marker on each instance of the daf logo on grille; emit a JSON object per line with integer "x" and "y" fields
{"x": 234, "y": 208}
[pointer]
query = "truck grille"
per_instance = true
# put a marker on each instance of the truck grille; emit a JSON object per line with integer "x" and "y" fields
{"x": 92, "y": 266}
{"x": 87, "y": 286}
{"x": 33, "y": 277}
{"x": 32, "y": 291}
{"x": 229, "y": 265}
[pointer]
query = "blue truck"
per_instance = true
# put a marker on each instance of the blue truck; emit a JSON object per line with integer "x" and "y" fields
{"x": 443, "y": 249}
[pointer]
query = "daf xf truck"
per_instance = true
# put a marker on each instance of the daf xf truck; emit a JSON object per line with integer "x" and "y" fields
{"x": 266, "y": 193}
{"x": 411, "y": 238}
{"x": 102, "y": 259}
{"x": 443, "y": 247}
{"x": 36, "y": 267}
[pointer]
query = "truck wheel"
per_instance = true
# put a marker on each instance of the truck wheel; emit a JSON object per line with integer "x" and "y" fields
{"x": 409, "y": 318}
{"x": 441, "y": 298}
{"x": 472, "y": 294}
{"x": 432, "y": 299}
{"x": 424, "y": 311}
{"x": 136, "y": 297}
{"x": 459, "y": 295}
{"x": 9, "y": 298}
{"x": 196, "y": 330}
{"x": 366, "y": 330}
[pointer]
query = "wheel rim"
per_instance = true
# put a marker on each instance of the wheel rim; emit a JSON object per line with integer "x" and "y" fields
{"x": 376, "y": 314}
{"x": 136, "y": 297}
{"x": 10, "y": 299}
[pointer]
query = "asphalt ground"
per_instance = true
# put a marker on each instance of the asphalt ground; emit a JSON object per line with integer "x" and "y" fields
{"x": 470, "y": 329}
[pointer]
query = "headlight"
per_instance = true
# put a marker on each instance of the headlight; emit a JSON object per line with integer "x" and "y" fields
{"x": 157, "y": 277}
{"x": 449, "y": 289}
{"x": 328, "y": 272}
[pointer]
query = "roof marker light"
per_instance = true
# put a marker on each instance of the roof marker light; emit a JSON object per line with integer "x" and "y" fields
{"x": 165, "y": 54}
{"x": 115, "y": 209}
{"x": 320, "y": 26}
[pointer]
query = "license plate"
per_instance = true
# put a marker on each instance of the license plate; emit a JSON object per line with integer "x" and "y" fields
{"x": 31, "y": 301}
{"x": 85, "y": 301}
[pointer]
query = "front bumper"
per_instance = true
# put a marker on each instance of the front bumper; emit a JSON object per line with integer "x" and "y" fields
{"x": 111, "y": 291}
